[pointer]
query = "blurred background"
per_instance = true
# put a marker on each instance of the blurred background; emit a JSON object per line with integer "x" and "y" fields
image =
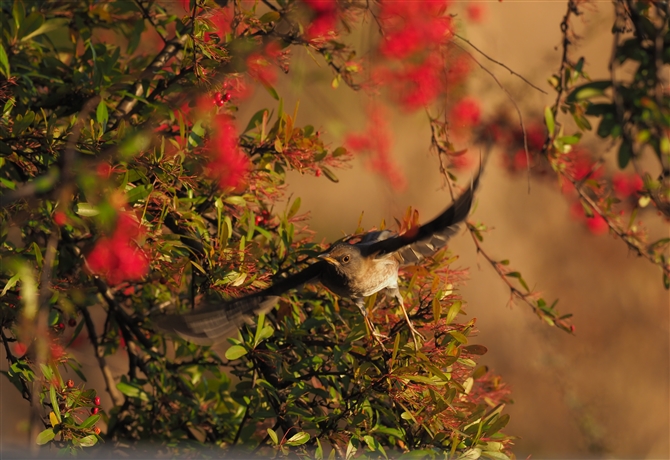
{"x": 604, "y": 392}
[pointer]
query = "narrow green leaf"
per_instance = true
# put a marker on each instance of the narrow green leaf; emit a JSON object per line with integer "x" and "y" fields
{"x": 54, "y": 403}
{"x": 549, "y": 120}
{"x": 101, "y": 114}
{"x": 4, "y": 62}
{"x": 10, "y": 284}
{"x": 89, "y": 422}
{"x": 294, "y": 208}
{"x": 329, "y": 174}
{"x": 273, "y": 436}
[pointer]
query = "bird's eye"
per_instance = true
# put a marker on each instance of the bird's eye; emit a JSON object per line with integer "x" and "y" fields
{"x": 346, "y": 259}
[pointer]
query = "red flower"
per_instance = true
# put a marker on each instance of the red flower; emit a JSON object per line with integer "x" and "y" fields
{"x": 376, "y": 140}
{"x": 625, "y": 186}
{"x": 221, "y": 20}
{"x": 475, "y": 12}
{"x": 117, "y": 258}
{"x": 229, "y": 163}
{"x": 60, "y": 218}
{"x": 465, "y": 113}
{"x": 260, "y": 69}
{"x": 20, "y": 349}
{"x": 597, "y": 224}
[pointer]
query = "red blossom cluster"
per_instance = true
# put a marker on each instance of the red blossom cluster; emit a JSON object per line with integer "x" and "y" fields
{"x": 625, "y": 185}
{"x": 377, "y": 140}
{"x": 324, "y": 22}
{"x": 465, "y": 114}
{"x": 412, "y": 26}
{"x": 221, "y": 19}
{"x": 118, "y": 258}
{"x": 228, "y": 163}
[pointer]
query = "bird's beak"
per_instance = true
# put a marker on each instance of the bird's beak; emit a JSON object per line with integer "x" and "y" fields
{"x": 328, "y": 258}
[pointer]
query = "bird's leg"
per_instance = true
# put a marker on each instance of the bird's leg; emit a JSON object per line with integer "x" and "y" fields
{"x": 360, "y": 303}
{"x": 396, "y": 293}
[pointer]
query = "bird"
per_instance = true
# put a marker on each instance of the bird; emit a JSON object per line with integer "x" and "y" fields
{"x": 354, "y": 267}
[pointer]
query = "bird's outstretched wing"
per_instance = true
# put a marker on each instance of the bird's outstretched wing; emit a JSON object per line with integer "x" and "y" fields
{"x": 415, "y": 245}
{"x": 216, "y": 321}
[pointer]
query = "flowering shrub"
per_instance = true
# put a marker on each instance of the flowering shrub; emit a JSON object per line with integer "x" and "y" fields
{"x": 129, "y": 182}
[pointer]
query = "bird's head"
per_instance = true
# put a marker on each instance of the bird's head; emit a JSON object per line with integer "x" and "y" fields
{"x": 345, "y": 257}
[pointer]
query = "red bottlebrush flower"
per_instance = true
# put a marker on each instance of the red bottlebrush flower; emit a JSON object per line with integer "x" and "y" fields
{"x": 423, "y": 85}
{"x": 536, "y": 135}
{"x": 625, "y": 186}
{"x": 402, "y": 43}
{"x": 20, "y": 349}
{"x": 116, "y": 258}
{"x": 465, "y": 113}
{"x": 104, "y": 170}
{"x": 321, "y": 6}
{"x": 260, "y": 69}
{"x": 186, "y": 4}
{"x": 229, "y": 163}
{"x": 457, "y": 69}
{"x": 376, "y": 140}
{"x": 60, "y": 218}
{"x": 475, "y": 12}
{"x": 56, "y": 351}
{"x": 222, "y": 19}
{"x": 577, "y": 210}
{"x": 322, "y": 26}
{"x": 521, "y": 160}
{"x": 597, "y": 224}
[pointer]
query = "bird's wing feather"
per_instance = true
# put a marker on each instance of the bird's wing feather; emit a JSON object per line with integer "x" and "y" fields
{"x": 217, "y": 321}
{"x": 427, "y": 239}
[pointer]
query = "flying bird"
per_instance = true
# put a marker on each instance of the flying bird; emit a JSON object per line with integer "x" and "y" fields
{"x": 354, "y": 267}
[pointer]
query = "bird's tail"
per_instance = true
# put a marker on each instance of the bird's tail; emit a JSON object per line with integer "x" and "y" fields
{"x": 216, "y": 322}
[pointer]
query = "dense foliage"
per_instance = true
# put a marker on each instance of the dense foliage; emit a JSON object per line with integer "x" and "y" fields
{"x": 130, "y": 186}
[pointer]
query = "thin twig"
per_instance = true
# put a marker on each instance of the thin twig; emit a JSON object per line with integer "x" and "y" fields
{"x": 499, "y": 63}
{"x": 516, "y": 107}
{"x": 114, "y": 393}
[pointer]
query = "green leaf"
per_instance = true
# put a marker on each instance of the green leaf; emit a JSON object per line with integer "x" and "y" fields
{"x": 86, "y": 210}
{"x": 294, "y": 208}
{"x": 10, "y": 284}
{"x": 625, "y": 154}
{"x": 101, "y": 114}
{"x": 270, "y": 16}
{"x": 298, "y": 439}
{"x": 475, "y": 349}
{"x": 4, "y": 62}
{"x": 271, "y": 90}
{"x": 589, "y": 90}
{"x": 454, "y": 309}
{"x": 549, "y": 120}
{"x": 132, "y": 391}
{"x": 54, "y": 403}
{"x": 45, "y": 436}
{"x": 329, "y": 174}
{"x": 459, "y": 336}
{"x": 48, "y": 26}
{"x": 255, "y": 120}
{"x": 273, "y": 436}
{"x": 339, "y": 152}
{"x": 139, "y": 193}
{"x": 89, "y": 422}
{"x": 88, "y": 441}
{"x": 235, "y": 352}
